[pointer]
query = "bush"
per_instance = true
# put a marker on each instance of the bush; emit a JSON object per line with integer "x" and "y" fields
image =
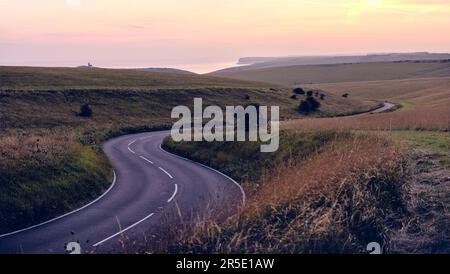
{"x": 86, "y": 111}
{"x": 345, "y": 95}
{"x": 313, "y": 103}
{"x": 316, "y": 94}
{"x": 294, "y": 97}
{"x": 304, "y": 107}
{"x": 299, "y": 91}
{"x": 310, "y": 93}
{"x": 309, "y": 105}
{"x": 322, "y": 97}
{"x": 247, "y": 97}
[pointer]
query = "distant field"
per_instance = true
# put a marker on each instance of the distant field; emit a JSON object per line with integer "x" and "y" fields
{"x": 336, "y": 73}
{"x": 426, "y": 105}
{"x": 427, "y": 118}
{"x": 35, "y": 78}
{"x": 409, "y": 92}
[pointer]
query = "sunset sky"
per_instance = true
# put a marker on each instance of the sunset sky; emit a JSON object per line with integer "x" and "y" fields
{"x": 205, "y": 34}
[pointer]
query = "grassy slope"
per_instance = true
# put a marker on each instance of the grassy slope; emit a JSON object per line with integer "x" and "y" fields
{"x": 321, "y": 192}
{"x": 35, "y": 78}
{"x": 314, "y": 74}
{"x": 42, "y": 177}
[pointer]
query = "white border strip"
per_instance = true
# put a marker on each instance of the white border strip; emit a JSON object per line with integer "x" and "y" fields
{"x": 244, "y": 199}
{"x": 165, "y": 171}
{"x": 67, "y": 214}
{"x": 174, "y": 194}
{"x": 147, "y": 160}
{"x": 123, "y": 231}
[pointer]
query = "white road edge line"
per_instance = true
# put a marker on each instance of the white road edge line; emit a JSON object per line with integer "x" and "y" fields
{"x": 174, "y": 194}
{"x": 123, "y": 231}
{"x": 244, "y": 199}
{"x": 145, "y": 138}
{"x": 147, "y": 160}
{"x": 167, "y": 173}
{"x": 67, "y": 214}
{"x": 129, "y": 149}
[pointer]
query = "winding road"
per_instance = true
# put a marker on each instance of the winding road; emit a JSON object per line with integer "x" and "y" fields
{"x": 386, "y": 107}
{"x": 148, "y": 182}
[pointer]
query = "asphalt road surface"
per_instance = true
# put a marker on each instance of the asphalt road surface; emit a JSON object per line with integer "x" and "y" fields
{"x": 387, "y": 106}
{"x": 148, "y": 181}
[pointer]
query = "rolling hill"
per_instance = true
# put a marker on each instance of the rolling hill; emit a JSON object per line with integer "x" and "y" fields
{"x": 334, "y": 73}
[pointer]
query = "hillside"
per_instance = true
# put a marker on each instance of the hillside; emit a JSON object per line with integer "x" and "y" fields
{"x": 267, "y": 62}
{"x": 408, "y": 92}
{"x": 39, "y": 78}
{"x": 166, "y": 70}
{"x": 335, "y": 73}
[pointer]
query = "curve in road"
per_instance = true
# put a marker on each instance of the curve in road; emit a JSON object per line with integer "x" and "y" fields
{"x": 147, "y": 181}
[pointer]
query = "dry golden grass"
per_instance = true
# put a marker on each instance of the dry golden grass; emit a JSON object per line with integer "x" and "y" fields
{"x": 421, "y": 118}
{"x": 18, "y": 149}
{"x": 337, "y": 201}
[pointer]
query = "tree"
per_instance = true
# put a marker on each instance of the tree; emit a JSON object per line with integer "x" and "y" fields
{"x": 310, "y": 93}
{"x": 86, "y": 111}
{"x": 247, "y": 97}
{"x": 313, "y": 103}
{"x": 345, "y": 95}
{"x": 322, "y": 96}
{"x": 299, "y": 91}
{"x": 316, "y": 94}
{"x": 304, "y": 107}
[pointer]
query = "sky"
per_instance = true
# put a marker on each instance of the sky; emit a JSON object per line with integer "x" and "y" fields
{"x": 203, "y": 35}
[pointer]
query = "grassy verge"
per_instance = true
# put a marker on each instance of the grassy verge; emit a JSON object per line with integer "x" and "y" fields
{"x": 45, "y": 176}
{"x": 347, "y": 192}
{"x": 244, "y": 161}
{"x": 437, "y": 143}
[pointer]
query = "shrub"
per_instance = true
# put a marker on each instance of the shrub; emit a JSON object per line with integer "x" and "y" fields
{"x": 247, "y": 97}
{"x": 294, "y": 97}
{"x": 86, "y": 111}
{"x": 345, "y": 95}
{"x": 322, "y": 97}
{"x": 309, "y": 105}
{"x": 313, "y": 103}
{"x": 316, "y": 94}
{"x": 310, "y": 93}
{"x": 304, "y": 107}
{"x": 299, "y": 91}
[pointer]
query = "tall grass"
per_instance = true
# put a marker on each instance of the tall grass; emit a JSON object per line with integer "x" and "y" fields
{"x": 42, "y": 176}
{"x": 347, "y": 194}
